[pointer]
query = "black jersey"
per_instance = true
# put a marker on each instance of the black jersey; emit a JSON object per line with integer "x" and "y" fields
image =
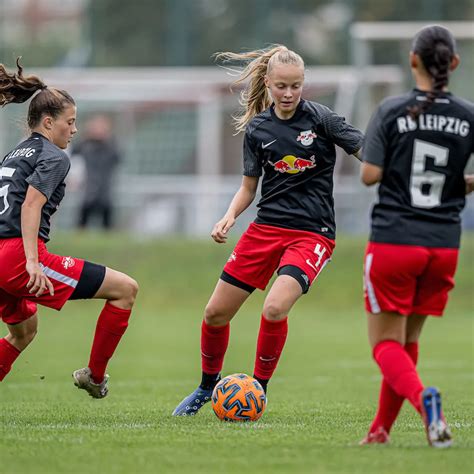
{"x": 422, "y": 191}
{"x": 296, "y": 157}
{"x": 41, "y": 164}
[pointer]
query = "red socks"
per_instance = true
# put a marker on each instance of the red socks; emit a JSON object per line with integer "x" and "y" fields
{"x": 399, "y": 371}
{"x": 271, "y": 339}
{"x": 389, "y": 402}
{"x": 111, "y": 325}
{"x": 270, "y": 343}
{"x": 8, "y": 355}
{"x": 214, "y": 342}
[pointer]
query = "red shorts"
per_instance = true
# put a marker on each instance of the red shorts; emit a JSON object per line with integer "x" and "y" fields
{"x": 262, "y": 249}
{"x": 16, "y": 303}
{"x": 408, "y": 279}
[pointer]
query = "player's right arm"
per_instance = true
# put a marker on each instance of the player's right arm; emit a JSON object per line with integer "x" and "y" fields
{"x": 241, "y": 201}
{"x": 30, "y": 224}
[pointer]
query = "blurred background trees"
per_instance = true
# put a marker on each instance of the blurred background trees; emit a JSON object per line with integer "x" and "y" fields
{"x": 187, "y": 32}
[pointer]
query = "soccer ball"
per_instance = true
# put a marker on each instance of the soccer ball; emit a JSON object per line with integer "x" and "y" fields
{"x": 238, "y": 397}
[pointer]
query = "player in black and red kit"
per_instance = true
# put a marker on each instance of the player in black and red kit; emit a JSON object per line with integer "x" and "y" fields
{"x": 31, "y": 188}
{"x": 291, "y": 142}
{"x": 417, "y": 147}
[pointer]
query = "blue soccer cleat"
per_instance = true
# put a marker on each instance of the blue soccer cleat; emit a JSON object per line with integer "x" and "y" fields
{"x": 193, "y": 402}
{"x": 437, "y": 430}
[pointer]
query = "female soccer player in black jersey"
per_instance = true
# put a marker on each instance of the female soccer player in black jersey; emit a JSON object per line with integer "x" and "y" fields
{"x": 417, "y": 147}
{"x": 31, "y": 188}
{"x": 291, "y": 142}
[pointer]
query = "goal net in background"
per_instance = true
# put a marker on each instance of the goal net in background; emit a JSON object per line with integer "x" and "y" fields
{"x": 181, "y": 163}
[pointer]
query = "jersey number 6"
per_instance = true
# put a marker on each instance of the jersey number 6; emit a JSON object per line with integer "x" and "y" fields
{"x": 8, "y": 173}
{"x": 422, "y": 180}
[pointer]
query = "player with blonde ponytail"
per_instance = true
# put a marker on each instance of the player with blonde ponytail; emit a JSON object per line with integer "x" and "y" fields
{"x": 291, "y": 142}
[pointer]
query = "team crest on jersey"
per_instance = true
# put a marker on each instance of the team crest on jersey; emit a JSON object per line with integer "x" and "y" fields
{"x": 306, "y": 138}
{"x": 292, "y": 164}
{"x": 68, "y": 262}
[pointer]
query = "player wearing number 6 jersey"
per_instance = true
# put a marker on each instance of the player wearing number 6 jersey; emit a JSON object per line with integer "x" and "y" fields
{"x": 291, "y": 142}
{"x": 417, "y": 146}
{"x": 31, "y": 188}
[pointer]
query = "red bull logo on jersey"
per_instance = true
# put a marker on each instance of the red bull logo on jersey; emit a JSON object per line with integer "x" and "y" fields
{"x": 306, "y": 138}
{"x": 292, "y": 165}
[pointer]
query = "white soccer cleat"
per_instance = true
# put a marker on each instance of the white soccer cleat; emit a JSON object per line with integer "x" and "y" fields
{"x": 83, "y": 380}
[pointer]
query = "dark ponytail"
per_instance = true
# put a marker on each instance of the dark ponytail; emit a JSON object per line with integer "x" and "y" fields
{"x": 17, "y": 88}
{"x": 436, "y": 47}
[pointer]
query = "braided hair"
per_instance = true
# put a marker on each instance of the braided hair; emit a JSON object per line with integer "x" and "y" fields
{"x": 436, "y": 47}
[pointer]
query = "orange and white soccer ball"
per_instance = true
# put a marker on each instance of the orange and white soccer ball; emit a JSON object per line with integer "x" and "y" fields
{"x": 238, "y": 397}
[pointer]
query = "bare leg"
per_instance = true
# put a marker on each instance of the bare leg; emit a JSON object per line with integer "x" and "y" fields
{"x": 21, "y": 334}
{"x": 118, "y": 289}
{"x": 18, "y": 338}
{"x": 224, "y": 303}
{"x": 386, "y": 326}
{"x": 282, "y": 296}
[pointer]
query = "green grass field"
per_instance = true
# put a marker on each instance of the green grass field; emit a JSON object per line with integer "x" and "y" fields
{"x": 321, "y": 399}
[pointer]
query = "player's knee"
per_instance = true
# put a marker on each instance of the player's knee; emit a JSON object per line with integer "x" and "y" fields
{"x": 215, "y": 315}
{"x": 273, "y": 310}
{"x": 129, "y": 291}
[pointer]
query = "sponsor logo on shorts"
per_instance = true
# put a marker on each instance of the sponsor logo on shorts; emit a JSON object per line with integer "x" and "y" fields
{"x": 68, "y": 262}
{"x": 232, "y": 258}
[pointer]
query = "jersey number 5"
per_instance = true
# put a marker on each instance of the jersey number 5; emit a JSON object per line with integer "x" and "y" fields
{"x": 8, "y": 173}
{"x": 426, "y": 187}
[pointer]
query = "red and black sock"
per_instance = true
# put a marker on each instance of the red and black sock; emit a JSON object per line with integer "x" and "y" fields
{"x": 399, "y": 371}
{"x": 389, "y": 402}
{"x": 8, "y": 355}
{"x": 214, "y": 342}
{"x": 111, "y": 326}
{"x": 271, "y": 340}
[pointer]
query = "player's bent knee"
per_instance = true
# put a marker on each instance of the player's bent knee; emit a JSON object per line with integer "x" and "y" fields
{"x": 215, "y": 316}
{"x": 129, "y": 290}
{"x": 274, "y": 310}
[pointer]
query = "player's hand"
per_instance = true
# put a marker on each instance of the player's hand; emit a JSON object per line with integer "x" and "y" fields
{"x": 219, "y": 232}
{"x": 38, "y": 282}
{"x": 469, "y": 179}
